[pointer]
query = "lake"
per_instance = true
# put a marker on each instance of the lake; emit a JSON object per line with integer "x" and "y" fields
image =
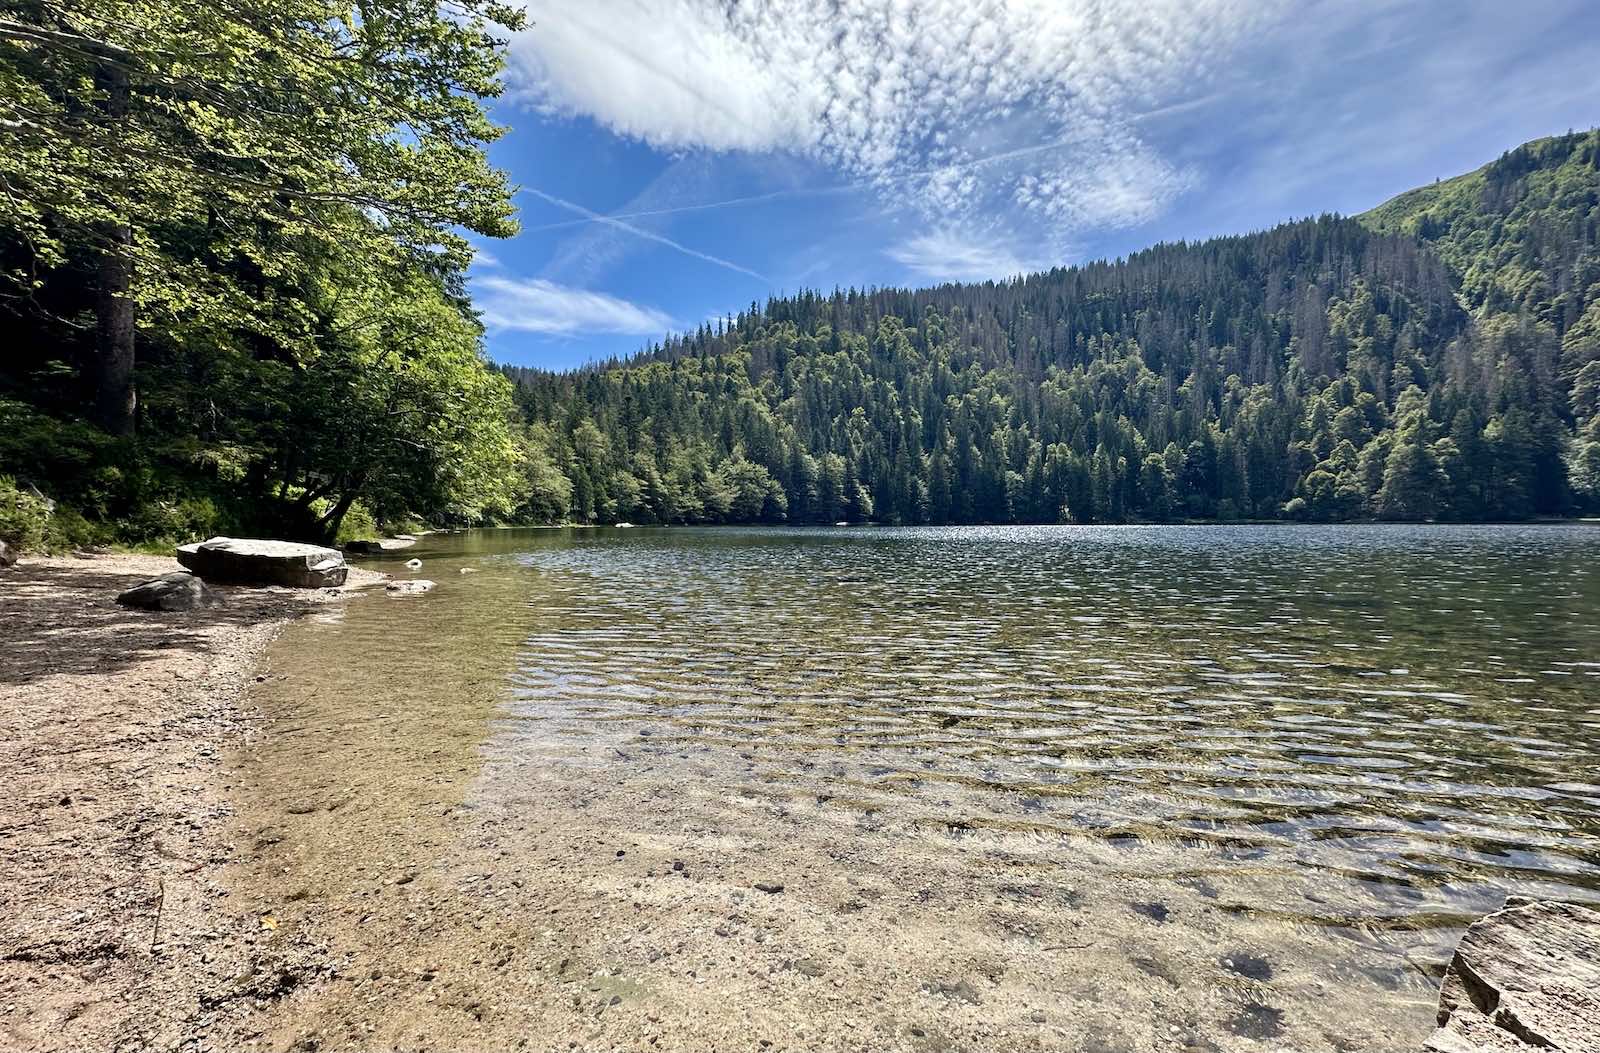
{"x": 1123, "y": 788}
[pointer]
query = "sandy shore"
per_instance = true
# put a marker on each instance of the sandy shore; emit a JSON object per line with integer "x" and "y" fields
{"x": 114, "y": 932}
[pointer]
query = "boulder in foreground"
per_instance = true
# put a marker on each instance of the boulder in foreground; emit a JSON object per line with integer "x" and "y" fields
{"x": 254, "y": 561}
{"x": 1523, "y": 978}
{"x": 178, "y": 591}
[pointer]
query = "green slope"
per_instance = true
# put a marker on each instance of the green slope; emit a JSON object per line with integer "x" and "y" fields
{"x": 1520, "y": 232}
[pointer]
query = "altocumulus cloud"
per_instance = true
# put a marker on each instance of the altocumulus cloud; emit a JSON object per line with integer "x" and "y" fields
{"x": 957, "y": 109}
{"x": 533, "y": 305}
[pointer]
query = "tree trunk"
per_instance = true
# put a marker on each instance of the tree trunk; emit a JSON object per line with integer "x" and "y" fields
{"x": 115, "y": 399}
{"x": 335, "y": 518}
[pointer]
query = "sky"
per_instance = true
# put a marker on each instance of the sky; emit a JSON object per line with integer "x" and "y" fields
{"x": 678, "y": 160}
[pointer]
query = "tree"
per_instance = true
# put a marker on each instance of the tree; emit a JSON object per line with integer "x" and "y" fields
{"x": 1155, "y": 488}
{"x": 545, "y": 494}
{"x": 396, "y": 410}
{"x": 192, "y": 149}
{"x": 1412, "y": 482}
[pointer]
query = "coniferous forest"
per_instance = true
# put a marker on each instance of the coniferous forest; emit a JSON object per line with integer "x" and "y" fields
{"x": 1437, "y": 358}
{"x": 235, "y": 301}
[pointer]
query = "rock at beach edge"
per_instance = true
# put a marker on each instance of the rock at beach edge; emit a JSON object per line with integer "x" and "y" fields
{"x": 178, "y": 591}
{"x": 376, "y": 546}
{"x": 1523, "y": 978}
{"x": 256, "y": 561}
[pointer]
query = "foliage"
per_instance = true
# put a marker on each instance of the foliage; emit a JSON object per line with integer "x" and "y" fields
{"x": 247, "y": 131}
{"x": 283, "y": 187}
{"x": 24, "y": 516}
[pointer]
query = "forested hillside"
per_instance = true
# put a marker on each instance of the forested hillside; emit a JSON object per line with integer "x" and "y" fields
{"x": 1438, "y": 358}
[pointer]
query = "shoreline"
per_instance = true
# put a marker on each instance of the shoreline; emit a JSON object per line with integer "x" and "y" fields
{"x": 114, "y": 924}
{"x": 213, "y": 846}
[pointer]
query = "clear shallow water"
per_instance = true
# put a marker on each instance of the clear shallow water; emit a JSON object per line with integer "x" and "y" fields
{"x": 1414, "y": 711}
{"x": 1262, "y": 776}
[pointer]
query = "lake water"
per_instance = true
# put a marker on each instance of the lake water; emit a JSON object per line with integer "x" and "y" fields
{"x": 1257, "y": 777}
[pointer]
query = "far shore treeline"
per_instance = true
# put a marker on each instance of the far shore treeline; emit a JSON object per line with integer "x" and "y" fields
{"x": 232, "y": 285}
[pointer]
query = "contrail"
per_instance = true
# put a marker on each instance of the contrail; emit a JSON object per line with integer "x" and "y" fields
{"x": 753, "y": 199}
{"x": 882, "y": 183}
{"x": 612, "y": 221}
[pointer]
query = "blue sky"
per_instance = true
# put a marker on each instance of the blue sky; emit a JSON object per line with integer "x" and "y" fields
{"x": 681, "y": 159}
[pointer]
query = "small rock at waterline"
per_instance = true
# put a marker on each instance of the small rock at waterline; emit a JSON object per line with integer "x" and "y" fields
{"x": 8, "y": 555}
{"x": 414, "y": 563}
{"x": 378, "y": 546}
{"x": 415, "y": 585}
{"x": 178, "y": 591}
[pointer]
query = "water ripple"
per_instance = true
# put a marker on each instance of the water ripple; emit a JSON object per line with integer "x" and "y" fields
{"x": 1399, "y": 708}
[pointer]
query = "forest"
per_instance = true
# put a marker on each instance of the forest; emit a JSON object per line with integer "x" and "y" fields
{"x": 1437, "y": 358}
{"x": 233, "y": 241}
{"x": 233, "y": 250}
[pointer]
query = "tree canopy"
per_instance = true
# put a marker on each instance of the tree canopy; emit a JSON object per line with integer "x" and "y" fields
{"x": 269, "y": 199}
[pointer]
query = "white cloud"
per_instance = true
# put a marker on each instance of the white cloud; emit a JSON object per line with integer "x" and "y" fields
{"x": 534, "y": 305}
{"x": 951, "y": 107}
{"x": 950, "y": 256}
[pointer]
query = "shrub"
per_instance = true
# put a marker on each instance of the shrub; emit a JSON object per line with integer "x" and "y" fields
{"x": 357, "y": 522}
{"x": 25, "y": 517}
{"x": 173, "y": 519}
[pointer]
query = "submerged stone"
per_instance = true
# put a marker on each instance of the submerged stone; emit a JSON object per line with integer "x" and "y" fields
{"x": 1256, "y": 1021}
{"x": 414, "y": 585}
{"x": 255, "y": 561}
{"x": 373, "y": 546}
{"x": 1250, "y": 966}
{"x": 1156, "y": 912}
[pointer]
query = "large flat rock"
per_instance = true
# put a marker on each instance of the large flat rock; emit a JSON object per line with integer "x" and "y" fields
{"x": 378, "y": 545}
{"x": 257, "y": 561}
{"x": 1523, "y": 978}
